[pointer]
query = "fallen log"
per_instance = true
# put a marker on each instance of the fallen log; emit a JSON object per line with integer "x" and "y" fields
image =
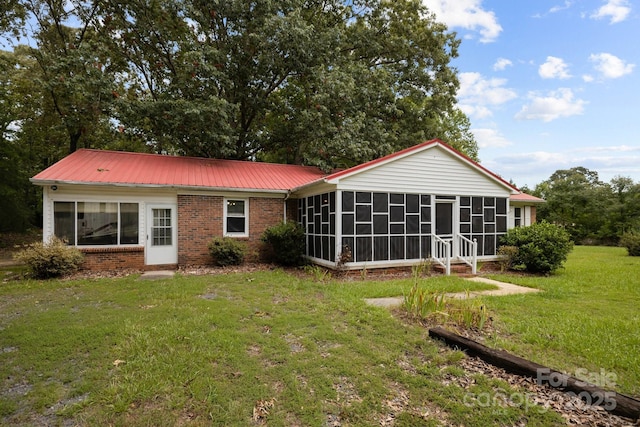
{"x": 616, "y": 403}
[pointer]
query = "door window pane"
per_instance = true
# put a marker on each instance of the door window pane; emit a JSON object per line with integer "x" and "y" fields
{"x": 161, "y": 230}
{"x": 444, "y": 218}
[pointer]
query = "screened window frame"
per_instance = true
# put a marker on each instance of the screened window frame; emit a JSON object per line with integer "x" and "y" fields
{"x": 396, "y": 227}
{"x": 227, "y": 215}
{"x": 76, "y": 219}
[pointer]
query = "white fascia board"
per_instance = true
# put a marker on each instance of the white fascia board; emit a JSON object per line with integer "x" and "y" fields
{"x": 180, "y": 188}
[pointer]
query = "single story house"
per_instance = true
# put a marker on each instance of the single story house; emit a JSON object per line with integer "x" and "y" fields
{"x": 133, "y": 210}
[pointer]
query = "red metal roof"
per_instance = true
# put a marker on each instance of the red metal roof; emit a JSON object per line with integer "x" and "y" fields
{"x": 138, "y": 169}
{"x": 524, "y": 197}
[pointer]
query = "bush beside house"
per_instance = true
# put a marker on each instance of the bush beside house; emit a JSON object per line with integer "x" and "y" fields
{"x": 52, "y": 259}
{"x": 227, "y": 251}
{"x": 287, "y": 242}
{"x": 541, "y": 247}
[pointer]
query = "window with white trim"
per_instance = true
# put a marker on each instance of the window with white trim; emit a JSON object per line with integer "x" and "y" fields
{"x": 96, "y": 223}
{"x": 236, "y": 217}
{"x": 517, "y": 217}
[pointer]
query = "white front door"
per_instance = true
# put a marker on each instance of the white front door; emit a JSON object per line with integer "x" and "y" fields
{"x": 161, "y": 246}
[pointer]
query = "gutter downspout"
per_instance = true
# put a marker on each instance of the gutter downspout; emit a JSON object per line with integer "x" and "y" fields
{"x": 286, "y": 197}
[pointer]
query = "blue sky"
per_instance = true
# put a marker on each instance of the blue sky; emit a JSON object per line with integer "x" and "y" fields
{"x": 549, "y": 85}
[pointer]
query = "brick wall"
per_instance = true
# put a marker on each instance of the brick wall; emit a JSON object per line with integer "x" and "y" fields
{"x": 200, "y": 218}
{"x": 113, "y": 258}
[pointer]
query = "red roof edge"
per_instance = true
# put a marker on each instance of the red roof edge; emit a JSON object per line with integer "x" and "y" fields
{"x": 524, "y": 197}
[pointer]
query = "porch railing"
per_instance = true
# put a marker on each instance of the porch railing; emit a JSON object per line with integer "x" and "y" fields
{"x": 468, "y": 251}
{"x": 442, "y": 253}
{"x": 458, "y": 249}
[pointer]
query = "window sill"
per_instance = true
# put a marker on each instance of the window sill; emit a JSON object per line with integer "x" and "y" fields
{"x": 111, "y": 249}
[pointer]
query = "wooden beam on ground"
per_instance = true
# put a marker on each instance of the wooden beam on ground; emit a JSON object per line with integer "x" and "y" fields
{"x": 616, "y": 403}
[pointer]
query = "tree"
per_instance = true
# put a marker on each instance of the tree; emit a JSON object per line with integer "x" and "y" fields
{"x": 576, "y": 200}
{"x": 322, "y": 82}
{"x": 318, "y": 82}
{"x": 15, "y": 189}
{"x": 623, "y": 208}
{"x": 592, "y": 211}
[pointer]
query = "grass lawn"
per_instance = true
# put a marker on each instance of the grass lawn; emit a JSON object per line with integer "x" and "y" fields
{"x": 586, "y": 323}
{"x": 272, "y": 348}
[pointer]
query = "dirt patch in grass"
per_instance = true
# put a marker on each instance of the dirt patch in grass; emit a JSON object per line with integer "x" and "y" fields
{"x": 571, "y": 408}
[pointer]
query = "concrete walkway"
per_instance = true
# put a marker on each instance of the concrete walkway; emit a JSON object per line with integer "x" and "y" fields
{"x": 503, "y": 289}
{"x": 157, "y": 275}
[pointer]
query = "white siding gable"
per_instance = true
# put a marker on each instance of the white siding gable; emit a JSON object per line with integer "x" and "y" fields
{"x": 434, "y": 170}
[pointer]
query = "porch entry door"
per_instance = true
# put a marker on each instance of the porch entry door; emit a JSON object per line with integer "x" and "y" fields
{"x": 161, "y": 244}
{"x": 444, "y": 222}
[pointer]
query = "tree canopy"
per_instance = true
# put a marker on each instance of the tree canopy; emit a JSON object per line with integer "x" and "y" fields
{"x": 330, "y": 83}
{"x": 590, "y": 210}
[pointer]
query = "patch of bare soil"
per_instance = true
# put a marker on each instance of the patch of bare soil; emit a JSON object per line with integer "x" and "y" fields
{"x": 571, "y": 408}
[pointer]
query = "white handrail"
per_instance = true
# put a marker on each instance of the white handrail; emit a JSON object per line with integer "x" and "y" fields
{"x": 468, "y": 251}
{"x": 442, "y": 253}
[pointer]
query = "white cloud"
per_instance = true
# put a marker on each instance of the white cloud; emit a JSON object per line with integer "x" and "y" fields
{"x": 610, "y": 66}
{"x": 477, "y": 93}
{"x": 467, "y": 14}
{"x": 566, "y": 5}
{"x": 476, "y": 111}
{"x": 587, "y": 78}
{"x": 535, "y": 167}
{"x": 490, "y": 138}
{"x": 617, "y": 10}
{"x": 555, "y": 9}
{"x": 501, "y": 64}
{"x": 556, "y": 104}
{"x": 554, "y": 68}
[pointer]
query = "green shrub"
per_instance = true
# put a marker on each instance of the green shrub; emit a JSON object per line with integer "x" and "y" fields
{"x": 542, "y": 247}
{"x": 287, "y": 241}
{"x": 507, "y": 257}
{"x": 227, "y": 251}
{"x": 631, "y": 241}
{"x": 52, "y": 259}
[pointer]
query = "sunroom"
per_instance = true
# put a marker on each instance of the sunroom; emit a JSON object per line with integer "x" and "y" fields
{"x": 428, "y": 202}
